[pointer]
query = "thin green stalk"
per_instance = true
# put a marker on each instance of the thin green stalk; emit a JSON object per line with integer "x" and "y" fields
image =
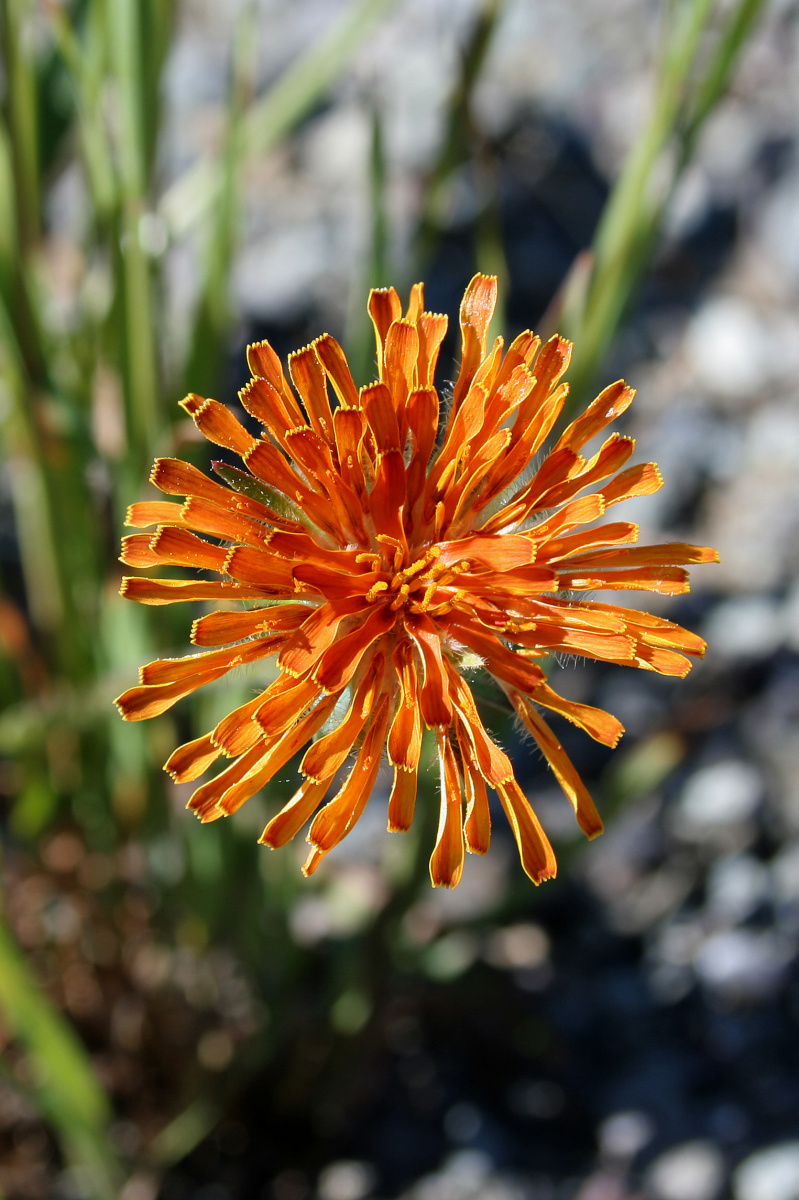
{"x": 22, "y": 114}
{"x": 141, "y": 374}
{"x": 84, "y": 70}
{"x": 283, "y": 106}
{"x": 360, "y": 341}
{"x": 212, "y": 321}
{"x": 458, "y": 139}
{"x": 64, "y": 1081}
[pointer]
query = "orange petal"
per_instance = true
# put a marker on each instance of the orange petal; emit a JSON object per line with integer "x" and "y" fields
{"x": 311, "y": 382}
{"x": 316, "y": 633}
{"x": 668, "y": 554}
{"x": 267, "y": 571}
{"x": 264, "y": 362}
{"x": 405, "y": 735}
{"x": 204, "y": 801}
{"x": 222, "y": 522}
{"x": 501, "y": 552}
{"x": 384, "y": 307}
{"x": 192, "y": 760}
{"x": 334, "y": 363}
{"x": 537, "y": 855}
{"x": 348, "y": 427}
{"x": 434, "y": 697}
{"x": 277, "y": 756}
{"x": 585, "y": 810}
{"x": 178, "y": 478}
{"x": 141, "y": 703}
{"x": 432, "y": 328}
{"x": 172, "y": 591}
{"x": 476, "y": 311}
{"x": 501, "y": 662}
{"x": 641, "y": 480}
{"x": 340, "y": 661}
{"x": 477, "y": 826}
{"x": 615, "y": 533}
{"x": 219, "y": 628}
{"x": 173, "y": 670}
{"x": 137, "y": 551}
{"x": 446, "y": 862}
{"x": 282, "y": 708}
{"x": 292, "y": 816}
{"x": 493, "y": 763}
{"x": 608, "y": 405}
{"x": 324, "y": 758}
{"x": 153, "y": 512}
{"x": 217, "y": 423}
{"x": 187, "y": 550}
{"x": 238, "y": 730}
{"x": 669, "y": 581}
{"x": 335, "y": 820}
{"x": 401, "y": 353}
{"x": 402, "y": 801}
{"x": 577, "y": 512}
{"x": 601, "y": 725}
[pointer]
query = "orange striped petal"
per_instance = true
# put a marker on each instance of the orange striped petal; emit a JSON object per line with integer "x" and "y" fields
{"x": 601, "y": 725}
{"x": 291, "y": 818}
{"x": 642, "y": 480}
{"x": 217, "y": 423}
{"x": 311, "y": 382}
{"x": 609, "y": 405}
{"x": 187, "y": 550}
{"x": 402, "y": 800}
{"x": 585, "y": 810}
{"x": 192, "y": 760}
{"x": 153, "y": 512}
{"x": 446, "y": 862}
{"x": 335, "y": 366}
{"x": 276, "y": 757}
{"x": 477, "y": 309}
{"x": 324, "y": 758}
{"x": 535, "y": 851}
{"x": 141, "y": 703}
{"x": 335, "y": 820}
{"x": 174, "y": 591}
{"x": 218, "y": 628}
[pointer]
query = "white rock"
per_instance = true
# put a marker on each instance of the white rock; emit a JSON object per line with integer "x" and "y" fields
{"x": 771, "y": 1174}
{"x": 692, "y": 1171}
{"x": 725, "y": 344}
{"x": 744, "y": 627}
{"x": 742, "y": 964}
{"x": 716, "y": 797}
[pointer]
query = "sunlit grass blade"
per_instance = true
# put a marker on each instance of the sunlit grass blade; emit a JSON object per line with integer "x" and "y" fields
{"x": 629, "y": 227}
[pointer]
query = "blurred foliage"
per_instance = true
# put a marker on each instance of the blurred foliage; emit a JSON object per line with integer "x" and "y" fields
{"x": 87, "y": 391}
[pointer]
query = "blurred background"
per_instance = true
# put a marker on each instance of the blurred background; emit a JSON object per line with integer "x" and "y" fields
{"x": 182, "y": 1016}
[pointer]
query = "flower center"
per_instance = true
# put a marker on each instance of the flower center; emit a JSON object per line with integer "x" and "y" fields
{"x": 426, "y": 585}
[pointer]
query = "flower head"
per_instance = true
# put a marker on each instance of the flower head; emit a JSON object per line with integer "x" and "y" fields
{"x": 382, "y": 542}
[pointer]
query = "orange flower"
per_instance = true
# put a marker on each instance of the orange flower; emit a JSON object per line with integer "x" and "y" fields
{"x": 385, "y": 544}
